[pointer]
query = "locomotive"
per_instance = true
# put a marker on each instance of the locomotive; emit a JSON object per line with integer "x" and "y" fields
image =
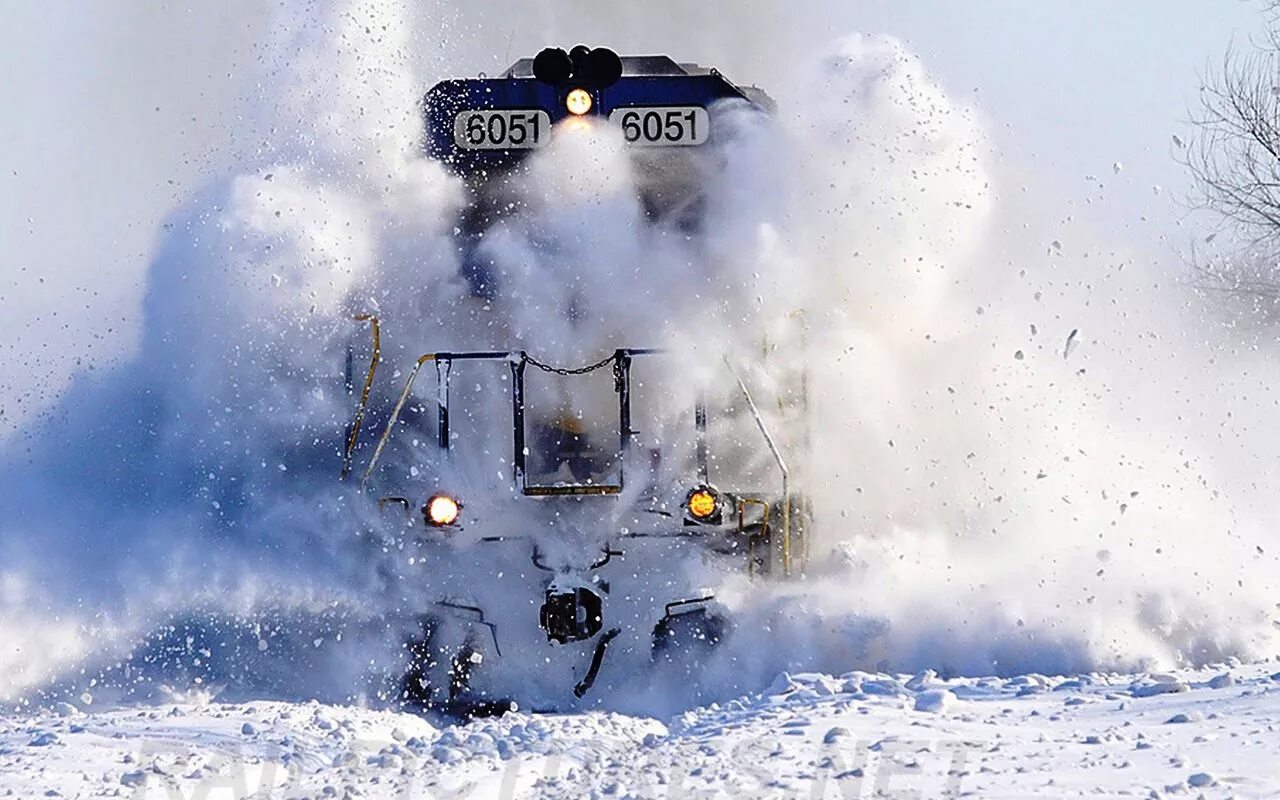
{"x": 577, "y": 558}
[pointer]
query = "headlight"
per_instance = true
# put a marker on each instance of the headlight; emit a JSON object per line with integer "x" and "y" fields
{"x": 578, "y": 102}
{"x": 441, "y": 510}
{"x": 703, "y": 503}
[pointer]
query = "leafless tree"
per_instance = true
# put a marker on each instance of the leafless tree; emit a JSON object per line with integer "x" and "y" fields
{"x": 1234, "y": 160}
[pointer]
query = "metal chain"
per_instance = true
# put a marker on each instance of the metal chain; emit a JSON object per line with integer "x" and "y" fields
{"x": 575, "y": 371}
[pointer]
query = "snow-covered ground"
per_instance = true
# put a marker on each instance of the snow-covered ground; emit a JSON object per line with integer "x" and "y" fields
{"x": 1211, "y": 733}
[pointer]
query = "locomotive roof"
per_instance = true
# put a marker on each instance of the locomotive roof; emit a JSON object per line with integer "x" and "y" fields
{"x": 632, "y": 66}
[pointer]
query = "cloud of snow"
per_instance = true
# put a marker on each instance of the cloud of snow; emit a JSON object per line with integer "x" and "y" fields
{"x": 1029, "y": 452}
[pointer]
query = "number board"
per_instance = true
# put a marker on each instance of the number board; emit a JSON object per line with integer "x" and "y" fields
{"x": 508, "y": 129}
{"x": 663, "y": 126}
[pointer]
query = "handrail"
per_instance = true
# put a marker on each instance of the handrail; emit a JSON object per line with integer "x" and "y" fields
{"x": 350, "y": 449}
{"x": 517, "y": 358}
{"x": 395, "y": 414}
{"x": 782, "y": 467}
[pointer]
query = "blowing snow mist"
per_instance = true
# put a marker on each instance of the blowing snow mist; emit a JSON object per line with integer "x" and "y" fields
{"x": 1030, "y": 451}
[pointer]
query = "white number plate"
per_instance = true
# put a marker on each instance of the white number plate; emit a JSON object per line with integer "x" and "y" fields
{"x": 501, "y": 130}
{"x": 663, "y": 126}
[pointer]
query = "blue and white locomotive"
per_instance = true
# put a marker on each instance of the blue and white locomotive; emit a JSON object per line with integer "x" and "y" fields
{"x": 574, "y": 558}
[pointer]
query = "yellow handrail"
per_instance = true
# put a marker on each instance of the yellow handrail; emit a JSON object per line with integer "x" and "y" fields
{"x": 364, "y": 394}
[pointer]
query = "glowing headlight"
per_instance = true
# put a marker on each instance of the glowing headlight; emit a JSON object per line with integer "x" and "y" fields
{"x": 578, "y": 102}
{"x": 441, "y": 510}
{"x": 702, "y": 503}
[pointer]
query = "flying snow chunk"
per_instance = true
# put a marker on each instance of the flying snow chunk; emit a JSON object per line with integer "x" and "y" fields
{"x": 1070, "y": 346}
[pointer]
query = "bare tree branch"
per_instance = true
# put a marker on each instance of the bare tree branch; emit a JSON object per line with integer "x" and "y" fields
{"x": 1235, "y": 158}
{"x": 1234, "y": 162}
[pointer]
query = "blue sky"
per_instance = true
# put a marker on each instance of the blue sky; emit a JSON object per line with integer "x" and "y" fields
{"x": 1069, "y": 88}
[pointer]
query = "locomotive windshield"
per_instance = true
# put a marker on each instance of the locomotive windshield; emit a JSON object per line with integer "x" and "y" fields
{"x": 572, "y": 429}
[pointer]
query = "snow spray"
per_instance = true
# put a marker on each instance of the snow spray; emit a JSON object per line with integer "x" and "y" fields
{"x": 1030, "y": 450}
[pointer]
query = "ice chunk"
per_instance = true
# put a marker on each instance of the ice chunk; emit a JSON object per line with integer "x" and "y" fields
{"x": 1153, "y": 689}
{"x": 783, "y": 684}
{"x": 935, "y": 700}
{"x": 922, "y": 679}
{"x": 836, "y": 733}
